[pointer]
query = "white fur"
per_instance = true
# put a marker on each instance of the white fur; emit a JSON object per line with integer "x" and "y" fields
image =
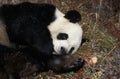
{"x": 62, "y": 25}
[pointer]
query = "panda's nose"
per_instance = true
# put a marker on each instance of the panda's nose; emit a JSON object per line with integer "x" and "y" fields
{"x": 63, "y": 51}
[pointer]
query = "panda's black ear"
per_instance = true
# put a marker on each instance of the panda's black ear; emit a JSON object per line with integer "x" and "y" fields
{"x": 73, "y": 16}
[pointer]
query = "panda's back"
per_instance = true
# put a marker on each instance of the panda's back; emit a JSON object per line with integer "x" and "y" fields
{"x": 43, "y": 12}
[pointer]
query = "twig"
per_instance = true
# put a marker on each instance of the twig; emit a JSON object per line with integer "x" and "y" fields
{"x": 82, "y": 4}
{"x": 97, "y": 15}
{"x": 111, "y": 51}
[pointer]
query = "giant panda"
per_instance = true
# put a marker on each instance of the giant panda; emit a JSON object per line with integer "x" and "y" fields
{"x": 46, "y": 34}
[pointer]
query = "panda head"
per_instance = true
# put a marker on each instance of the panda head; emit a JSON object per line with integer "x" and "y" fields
{"x": 66, "y": 32}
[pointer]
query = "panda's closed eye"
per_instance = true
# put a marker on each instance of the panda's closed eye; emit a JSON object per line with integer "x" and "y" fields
{"x": 62, "y": 36}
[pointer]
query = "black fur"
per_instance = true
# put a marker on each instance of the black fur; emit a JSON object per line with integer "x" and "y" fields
{"x": 62, "y": 36}
{"x": 73, "y": 16}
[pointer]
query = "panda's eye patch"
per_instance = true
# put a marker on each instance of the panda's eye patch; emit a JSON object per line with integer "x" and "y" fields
{"x": 62, "y": 36}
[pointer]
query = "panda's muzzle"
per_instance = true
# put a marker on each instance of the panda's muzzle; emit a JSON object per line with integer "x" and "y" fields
{"x": 63, "y": 51}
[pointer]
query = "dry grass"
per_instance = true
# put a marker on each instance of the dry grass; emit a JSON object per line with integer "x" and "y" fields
{"x": 101, "y": 24}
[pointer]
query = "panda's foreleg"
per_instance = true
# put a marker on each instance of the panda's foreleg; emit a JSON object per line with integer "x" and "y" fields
{"x": 66, "y": 63}
{"x": 56, "y": 63}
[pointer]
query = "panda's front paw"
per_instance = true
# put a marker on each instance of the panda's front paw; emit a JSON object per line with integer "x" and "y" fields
{"x": 67, "y": 63}
{"x": 74, "y": 66}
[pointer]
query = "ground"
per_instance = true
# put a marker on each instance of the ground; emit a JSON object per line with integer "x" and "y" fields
{"x": 101, "y": 25}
